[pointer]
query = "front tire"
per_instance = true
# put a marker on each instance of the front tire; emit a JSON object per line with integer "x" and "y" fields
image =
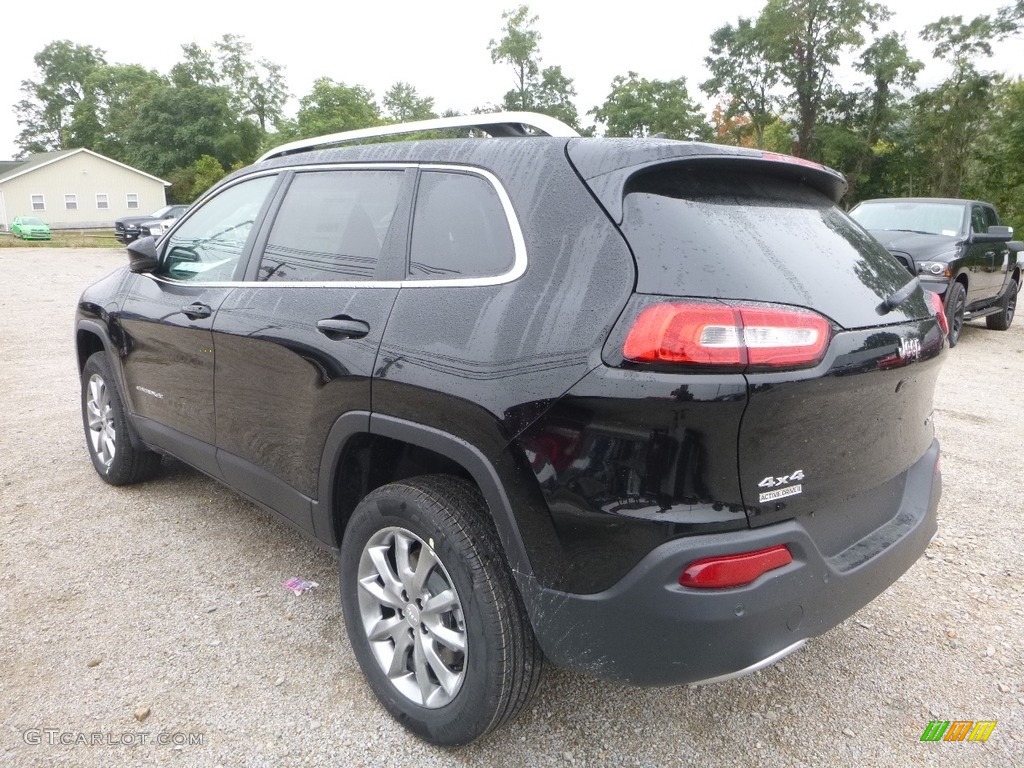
{"x": 116, "y": 459}
{"x": 956, "y": 305}
{"x": 1002, "y": 319}
{"x": 432, "y": 612}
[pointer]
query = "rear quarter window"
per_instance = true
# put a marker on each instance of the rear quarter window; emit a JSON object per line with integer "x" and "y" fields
{"x": 459, "y": 229}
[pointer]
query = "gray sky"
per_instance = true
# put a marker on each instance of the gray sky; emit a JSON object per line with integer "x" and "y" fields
{"x": 440, "y": 47}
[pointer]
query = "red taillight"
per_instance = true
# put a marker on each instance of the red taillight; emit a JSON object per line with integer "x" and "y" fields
{"x": 940, "y": 312}
{"x": 734, "y": 570}
{"x": 720, "y": 334}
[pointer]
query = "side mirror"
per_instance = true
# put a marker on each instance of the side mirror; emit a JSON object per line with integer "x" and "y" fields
{"x": 142, "y": 255}
{"x": 994, "y": 235}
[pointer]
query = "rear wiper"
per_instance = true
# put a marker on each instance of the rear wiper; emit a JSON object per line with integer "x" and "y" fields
{"x": 898, "y": 297}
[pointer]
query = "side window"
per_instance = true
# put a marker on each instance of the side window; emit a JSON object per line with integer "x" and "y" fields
{"x": 991, "y": 220}
{"x": 978, "y": 219}
{"x": 331, "y": 226}
{"x": 459, "y": 228}
{"x": 207, "y": 247}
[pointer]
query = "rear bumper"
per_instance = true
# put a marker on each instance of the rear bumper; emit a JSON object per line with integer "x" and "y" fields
{"x": 649, "y": 630}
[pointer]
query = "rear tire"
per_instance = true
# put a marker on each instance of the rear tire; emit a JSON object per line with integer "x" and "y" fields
{"x": 116, "y": 459}
{"x": 956, "y": 305}
{"x": 432, "y": 611}
{"x": 1002, "y": 319}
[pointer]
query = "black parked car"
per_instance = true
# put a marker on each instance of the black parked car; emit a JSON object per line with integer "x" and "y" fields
{"x": 960, "y": 250}
{"x": 127, "y": 228}
{"x": 657, "y": 411}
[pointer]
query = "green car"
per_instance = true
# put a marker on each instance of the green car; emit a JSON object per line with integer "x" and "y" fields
{"x": 30, "y": 228}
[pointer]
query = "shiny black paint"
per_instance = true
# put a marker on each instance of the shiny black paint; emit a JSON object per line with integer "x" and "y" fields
{"x": 850, "y": 424}
{"x": 628, "y": 460}
{"x": 646, "y": 629}
{"x": 607, "y": 168}
{"x": 168, "y": 359}
{"x": 278, "y": 417}
{"x": 586, "y": 467}
{"x": 481, "y": 363}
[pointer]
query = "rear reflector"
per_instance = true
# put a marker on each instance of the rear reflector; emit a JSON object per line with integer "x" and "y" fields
{"x": 734, "y": 570}
{"x": 723, "y": 334}
{"x": 940, "y": 312}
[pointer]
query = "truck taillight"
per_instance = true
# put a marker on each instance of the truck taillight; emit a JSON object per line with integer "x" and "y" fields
{"x": 700, "y": 333}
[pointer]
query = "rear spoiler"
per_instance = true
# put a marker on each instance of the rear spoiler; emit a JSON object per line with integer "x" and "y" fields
{"x": 607, "y": 173}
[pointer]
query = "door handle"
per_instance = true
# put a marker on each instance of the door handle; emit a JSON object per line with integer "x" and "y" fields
{"x": 342, "y": 328}
{"x": 196, "y": 311}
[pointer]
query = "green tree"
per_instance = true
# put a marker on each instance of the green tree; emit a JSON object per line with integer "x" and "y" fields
{"x": 518, "y": 47}
{"x": 257, "y": 87}
{"x": 806, "y": 38}
{"x": 176, "y": 126}
{"x": 402, "y": 104}
{"x": 47, "y": 109}
{"x": 949, "y": 118}
{"x": 1000, "y": 177}
{"x": 332, "y": 107}
{"x": 859, "y": 126}
{"x": 547, "y": 90}
{"x": 208, "y": 172}
{"x": 113, "y": 94}
{"x": 190, "y": 182}
{"x": 744, "y": 76}
{"x": 196, "y": 67}
{"x": 640, "y": 107}
{"x": 553, "y": 95}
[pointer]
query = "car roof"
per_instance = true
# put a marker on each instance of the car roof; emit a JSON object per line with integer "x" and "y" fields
{"x": 520, "y": 143}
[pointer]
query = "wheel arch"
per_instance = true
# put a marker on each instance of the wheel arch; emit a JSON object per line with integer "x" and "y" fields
{"x": 422, "y": 450}
{"x": 90, "y": 337}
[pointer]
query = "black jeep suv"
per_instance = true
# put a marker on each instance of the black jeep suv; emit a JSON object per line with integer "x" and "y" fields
{"x": 654, "y": 410}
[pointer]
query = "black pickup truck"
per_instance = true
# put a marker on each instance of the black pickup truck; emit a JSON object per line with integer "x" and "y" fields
{"x": 958, "y": 248}
{"x": 129, "y": 228}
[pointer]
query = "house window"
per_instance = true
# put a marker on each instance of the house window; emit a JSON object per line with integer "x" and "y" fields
{"x": 101, "y": 201}
{"x": 71, "y": 202}
{"x": 38, "y": 203}
{"x": 133, "y": 200}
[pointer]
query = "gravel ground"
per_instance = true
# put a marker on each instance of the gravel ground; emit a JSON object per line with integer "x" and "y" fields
{"x": 137, "y": 612}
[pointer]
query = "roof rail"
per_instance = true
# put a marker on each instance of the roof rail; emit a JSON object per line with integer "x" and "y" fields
{"x": 495, "y": 124}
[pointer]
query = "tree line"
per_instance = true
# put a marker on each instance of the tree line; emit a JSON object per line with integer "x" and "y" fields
{"x": 774, "y": 85}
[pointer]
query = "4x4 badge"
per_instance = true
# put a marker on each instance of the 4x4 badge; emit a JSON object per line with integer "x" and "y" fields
{"x": 777, "y": 482}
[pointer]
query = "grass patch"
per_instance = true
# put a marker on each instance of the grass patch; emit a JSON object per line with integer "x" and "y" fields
{"x": 65, "y": 238}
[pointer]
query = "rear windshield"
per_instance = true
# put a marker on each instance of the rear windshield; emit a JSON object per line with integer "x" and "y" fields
{"x": 721, "y": 234}
{"x": 926, "y": 218}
